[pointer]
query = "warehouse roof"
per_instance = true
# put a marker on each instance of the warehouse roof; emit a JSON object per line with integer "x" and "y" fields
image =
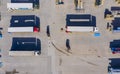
{"x": 25, "y": 44}
{"x": 80, "y": 20}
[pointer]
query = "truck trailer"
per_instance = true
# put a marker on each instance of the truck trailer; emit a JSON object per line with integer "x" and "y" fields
{"x": 25, "y": 46}
{"x": 114, "y": 66}
{"x": 19, "y": 6}
{"x": 21, "y": 53}
{"x": 23, "y": 29}
{"x": 114, "y": 71}
{"x": 80, "y": 23}
{"x": 80, "y": 29}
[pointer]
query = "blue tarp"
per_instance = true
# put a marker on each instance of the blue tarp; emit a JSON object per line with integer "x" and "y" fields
{"x": 96, "y": 34}
{"x": 0, "y": 36}
{"x": 1, "y": 64}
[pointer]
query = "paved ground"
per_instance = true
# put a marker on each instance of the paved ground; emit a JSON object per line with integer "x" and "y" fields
{"x": 89, "y": 54}
{"x": 31, "y": 65}
{"x": 83, "y": 45}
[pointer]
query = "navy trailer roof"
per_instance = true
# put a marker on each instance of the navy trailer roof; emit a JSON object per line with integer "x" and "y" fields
{"x": 25, "y": 44}
{"x": 91, "y": 20}
{"x": 115, "y": 44}
{"x": 22, "y": 1}
{"x": 22, "y": 17}
{"x": 23, "y": 21}
{"x": 78, "y": 23}
{"x": 78, "y": 16}
{"x": 115, "y": 63}
{"x": 115, "y": 8}
{"x": 116, "y": 24}
{"x": 22, "y": 24}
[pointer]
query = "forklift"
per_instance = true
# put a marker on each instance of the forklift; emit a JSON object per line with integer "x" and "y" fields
{"x": 118, "y": 1}
{"x": 78, "y": 4}
{"x": 98, "y": 2}
{"x": 59, "y": 2}
{"x": 108, "y": 15}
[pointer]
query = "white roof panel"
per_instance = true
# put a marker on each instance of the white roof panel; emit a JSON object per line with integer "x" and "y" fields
{"x": 20, "y": 5}
{"x": 20, "y": 29}
{"x": 80, "y": 29}
{"x": 79, "y": 20}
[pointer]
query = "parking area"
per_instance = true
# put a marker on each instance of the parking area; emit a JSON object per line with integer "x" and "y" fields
{"x": 32, "y": 64}
{"x": 88, "y": 54}
{"x": 83, "y": 44}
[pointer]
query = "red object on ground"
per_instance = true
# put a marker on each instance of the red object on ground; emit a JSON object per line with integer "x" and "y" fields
{"x": 67, "y": 31}
{"x": 114, "y": 52}
{"x": 36, "y": 29}
{"x": 66, "y": 27}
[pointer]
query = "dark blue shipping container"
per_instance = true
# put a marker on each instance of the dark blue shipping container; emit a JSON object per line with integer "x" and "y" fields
{"x": 22, "y": 1}
{"x": 115, "y": 8}
{"x": 91, "y": 22}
